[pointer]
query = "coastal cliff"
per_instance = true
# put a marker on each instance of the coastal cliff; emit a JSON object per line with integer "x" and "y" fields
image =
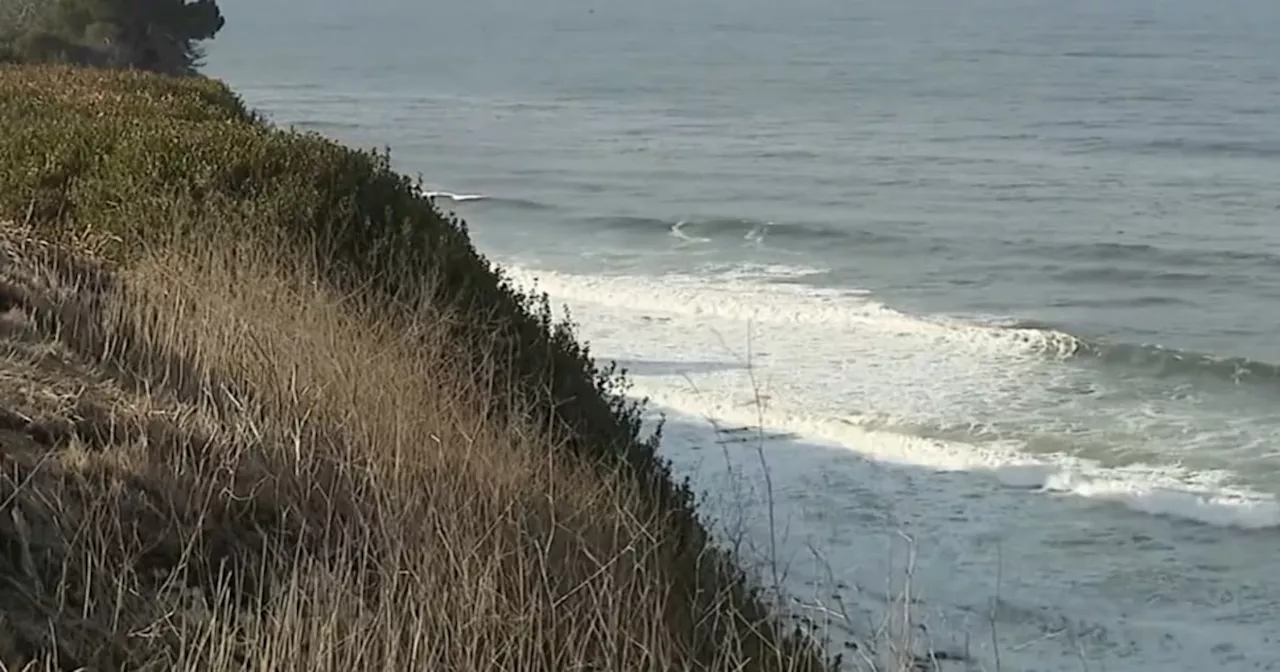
{"x": 263, "y": 404}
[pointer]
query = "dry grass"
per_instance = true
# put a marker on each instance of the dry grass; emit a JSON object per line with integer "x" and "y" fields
{"x": 214, "y": 462}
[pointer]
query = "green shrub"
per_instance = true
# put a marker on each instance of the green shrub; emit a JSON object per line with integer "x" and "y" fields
{"x": 109, "y": 158}
{"x": 112, "y": 156}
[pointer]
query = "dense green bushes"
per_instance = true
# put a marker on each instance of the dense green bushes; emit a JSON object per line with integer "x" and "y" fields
{"x": 157, "y": 35}
{"x": 114, "y": 160}
{"x": 110, "y": 157}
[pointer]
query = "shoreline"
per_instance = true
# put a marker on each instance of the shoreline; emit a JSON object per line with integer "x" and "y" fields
{"x": 981, "y": 537}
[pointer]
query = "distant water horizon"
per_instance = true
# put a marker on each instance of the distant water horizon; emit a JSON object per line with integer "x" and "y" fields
{"x": 1003, "y": 276}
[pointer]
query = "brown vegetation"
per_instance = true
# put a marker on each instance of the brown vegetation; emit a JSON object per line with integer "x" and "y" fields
{"x": 263, "y": 408}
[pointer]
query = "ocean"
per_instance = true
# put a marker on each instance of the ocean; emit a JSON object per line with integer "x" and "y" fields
{"x": 990, "y": 289}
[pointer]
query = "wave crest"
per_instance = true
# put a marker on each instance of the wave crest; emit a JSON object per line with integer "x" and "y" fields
{"x": 1218, "y": 507}
{"x": 709, "y": 229}
{"x": 457, "y": 197}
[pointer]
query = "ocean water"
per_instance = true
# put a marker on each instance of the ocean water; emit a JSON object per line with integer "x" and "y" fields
{"x": 993, "y": 284}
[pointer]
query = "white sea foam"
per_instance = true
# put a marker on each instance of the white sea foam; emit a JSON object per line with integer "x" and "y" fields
{"x": 1153, "y": 489}
{"x": 913, "y": 352}
{"x": 758, "y": 271}
{"x": 757, "y": 233}
{"x": 457, "y": 198}
{"x": 1224, "y": 507}
{"x": 677, "y": 230}
{"x": 830, "y": 384}
{"x": 693, "y": 296}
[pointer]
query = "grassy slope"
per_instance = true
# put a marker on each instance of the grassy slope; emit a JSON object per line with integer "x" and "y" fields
{"x": 263, "y": 407}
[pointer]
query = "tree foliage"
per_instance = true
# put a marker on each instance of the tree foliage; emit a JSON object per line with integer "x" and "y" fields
{"x": 18, "y": 15}
{"x": 157, "y": 35}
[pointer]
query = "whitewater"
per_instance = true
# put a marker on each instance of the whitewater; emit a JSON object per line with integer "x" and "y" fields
{"x": 887, "y": 435}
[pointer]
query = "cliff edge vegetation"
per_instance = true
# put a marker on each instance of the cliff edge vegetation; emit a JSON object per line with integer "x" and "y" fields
{"x": 264, "y": 406}
{"x": 154, "y": 35}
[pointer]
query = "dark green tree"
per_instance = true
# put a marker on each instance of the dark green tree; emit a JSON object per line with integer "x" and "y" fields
{"x": 16, "y": 16}
{"x": 159, "y": 35}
